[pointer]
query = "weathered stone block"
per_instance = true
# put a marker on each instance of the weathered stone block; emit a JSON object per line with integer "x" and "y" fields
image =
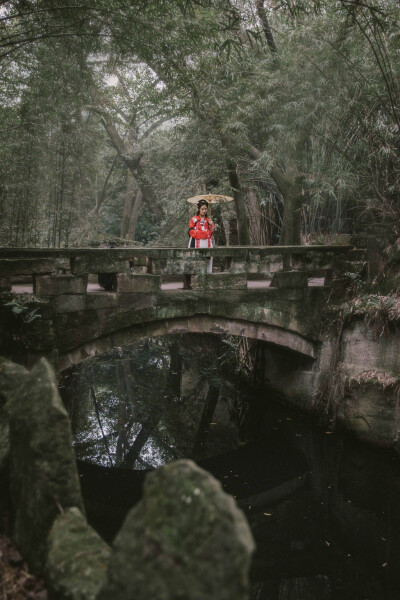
{"x": 56, "y": 285}
{"x": 138, "y": 270}
{"x": 290, "y": 279}
{"x": 369, "y": 408}
{"x": 95, "y": 263}
{"x": 99, "y": 300}
{"x": 26, "y": 266}
{"x": 181, "y": 267}
{"x": 219, "y": 281}
{"x": 138, "y": 261}
{"x": 270, "y": 264}
{"x": 127, "y": 303}
{"x": 5, "y": 284}
{"x": 69, "y": 303}
{"x": 185, "y": 539}
{"x": 43, "y": 476}
{"x": 295, "y": 262}
{"x": 62, "y": 263}
{"x": 105, "y": 261}
{"x": 265, "y": 265}
{"x": 127, "y": 283}
{"x": 238, "y": 266}
{"x": 77, "y": 558}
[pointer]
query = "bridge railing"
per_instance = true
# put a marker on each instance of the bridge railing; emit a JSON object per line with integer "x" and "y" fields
{"x": 66, "y": 271}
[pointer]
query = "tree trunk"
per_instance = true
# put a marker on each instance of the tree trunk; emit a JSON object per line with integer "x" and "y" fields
{"x": 141, "y": 439}
{"x": 257, "y": 225}
{"x": 291, "y": 228}
{"x": 210, "y": 405}
{"x": 175, "y": 371}
{"x": 290, "y": 186}
{"x": 128, "y": 205}
{"x": 104, "y": 437}
{"x": 293, "y": 196}
{"x": 62, "y": 192}
{"x": 130, "y": 153}
{"x": 132, "y": 206}
{"x": 101, "y": 196}
{"x": 265, "y": 24}
{"x": 243, "y": 228}
{"x": 122, "y": 413}
{"x": 137, "y": 205}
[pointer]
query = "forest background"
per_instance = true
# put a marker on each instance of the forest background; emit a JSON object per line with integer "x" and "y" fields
{"x": 113, "y": 112}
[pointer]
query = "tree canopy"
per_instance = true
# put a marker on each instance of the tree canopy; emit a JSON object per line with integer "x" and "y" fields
{"x": 113, "y": 113}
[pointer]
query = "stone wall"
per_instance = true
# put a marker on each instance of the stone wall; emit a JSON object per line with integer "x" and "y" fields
{"x": 360, "y": 390}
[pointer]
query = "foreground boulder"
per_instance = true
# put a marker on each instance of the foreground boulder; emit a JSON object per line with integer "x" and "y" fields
{"x": 43, "y": 476}
{"x": 185, "y": 540}
{"x": 11, "y": 376}
{"x": 77, "y": 558}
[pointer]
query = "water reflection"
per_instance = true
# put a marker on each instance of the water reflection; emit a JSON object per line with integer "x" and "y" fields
{"x": 156, "y": 401}
{"x": 324, "y": 508}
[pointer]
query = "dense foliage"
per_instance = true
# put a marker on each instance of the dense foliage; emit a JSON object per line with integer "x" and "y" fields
{"x": 113, "y": 113}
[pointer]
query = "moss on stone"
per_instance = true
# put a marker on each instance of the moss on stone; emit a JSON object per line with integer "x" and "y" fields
{"x": 185, "y": 540}
{"x": 11, "y": 376}
{"x": 43, "y": 475}
{"x": 77, "y": 558}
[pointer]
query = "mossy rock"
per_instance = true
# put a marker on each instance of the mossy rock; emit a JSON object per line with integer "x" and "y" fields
{"x": 11, "y": 375}
{"x": 43, "y": 475}
{"x": 185, "y": 540}
{"x": 77, "y": 558}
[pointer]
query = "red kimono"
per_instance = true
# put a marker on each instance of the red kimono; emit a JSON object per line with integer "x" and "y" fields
{"x": 200, "y": 232}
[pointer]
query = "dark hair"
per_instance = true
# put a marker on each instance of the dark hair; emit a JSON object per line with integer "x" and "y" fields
{"x": 200, "y": 204}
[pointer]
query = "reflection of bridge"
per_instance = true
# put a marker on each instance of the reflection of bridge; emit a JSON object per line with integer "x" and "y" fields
{"x": 257, "y": 292}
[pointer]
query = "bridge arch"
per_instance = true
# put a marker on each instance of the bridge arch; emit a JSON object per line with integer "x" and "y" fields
{"x": 284, "y": 339}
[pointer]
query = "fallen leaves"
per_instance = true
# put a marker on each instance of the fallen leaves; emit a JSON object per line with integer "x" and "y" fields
{"x": 15, "y": 581}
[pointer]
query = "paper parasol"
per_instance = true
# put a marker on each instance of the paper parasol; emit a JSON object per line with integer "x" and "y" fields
{"x": 211, "y": 198}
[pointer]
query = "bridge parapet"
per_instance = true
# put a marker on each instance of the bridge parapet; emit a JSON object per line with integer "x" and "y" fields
{"x": 66, "y": 271}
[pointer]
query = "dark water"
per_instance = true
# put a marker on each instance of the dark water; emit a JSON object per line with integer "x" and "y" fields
{"x": 324, "y": 508}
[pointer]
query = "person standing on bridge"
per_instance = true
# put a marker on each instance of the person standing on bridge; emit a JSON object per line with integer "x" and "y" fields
{"x": 201, "y": 229}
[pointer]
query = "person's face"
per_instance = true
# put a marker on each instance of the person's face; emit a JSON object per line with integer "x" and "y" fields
{"x": 203, "y": 210}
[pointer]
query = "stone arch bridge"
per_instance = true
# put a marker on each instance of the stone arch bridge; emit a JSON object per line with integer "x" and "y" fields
{"x": 273, "y": 294}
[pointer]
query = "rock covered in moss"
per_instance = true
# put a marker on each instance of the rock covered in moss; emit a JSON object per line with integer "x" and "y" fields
{"x": 43, "y": 475}
{"x": 11, "y": 376}
{"x": 77, "y": 558}
{"x": 185, "y": 540}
